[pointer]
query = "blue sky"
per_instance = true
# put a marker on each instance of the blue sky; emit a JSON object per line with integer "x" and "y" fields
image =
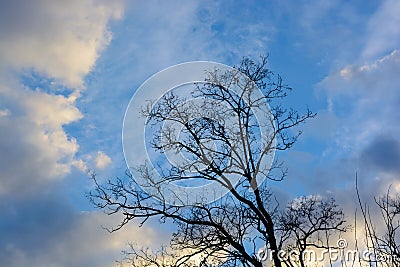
{"x": 69, "y": 68}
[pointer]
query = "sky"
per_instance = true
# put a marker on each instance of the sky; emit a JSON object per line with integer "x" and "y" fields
{"x": 68, "y": 70}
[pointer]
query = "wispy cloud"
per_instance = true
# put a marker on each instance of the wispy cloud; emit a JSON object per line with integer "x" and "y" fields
{"x": 367, "y": 96}
{"x": 383, "y": 32}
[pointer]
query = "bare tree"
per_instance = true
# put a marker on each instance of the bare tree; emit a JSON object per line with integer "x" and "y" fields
{"x": 230, "y": 230}
{"x": 382, "y": 235}
{"x": 307, "y": 223}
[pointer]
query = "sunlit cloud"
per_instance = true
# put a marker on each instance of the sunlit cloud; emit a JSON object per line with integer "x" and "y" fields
{"x": 57, "y": 38}
{"x": 61, "y": 40}
{"x": 102, "y": 160}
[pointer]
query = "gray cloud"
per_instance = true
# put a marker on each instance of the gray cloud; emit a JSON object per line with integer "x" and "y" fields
{"x": 45, "y": 231}
{"x": 383, "y": 153}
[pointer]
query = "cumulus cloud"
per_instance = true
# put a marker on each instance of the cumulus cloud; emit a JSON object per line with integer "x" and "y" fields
{"x": 59, "y": 42}
{"x": 34, "y": 145}
{"x": 102, "y": 160}
{"x": 61, "y": 39}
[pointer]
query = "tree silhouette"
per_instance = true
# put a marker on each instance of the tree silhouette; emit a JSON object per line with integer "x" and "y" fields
{"x": 222, "y": 144}
{"x": 382, "y": 235}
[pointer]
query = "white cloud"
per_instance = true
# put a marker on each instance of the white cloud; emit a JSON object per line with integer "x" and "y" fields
{"x": 383, "y": 31}
{"x": 61, "y": 39}
{"x": 35, "y": 147}
{"x": 369, "y": 96}
{"x": 363, "y": 97}
{"x": 4, "y": 112}
{"x": 299, "y": 202}
{"x": 364, "y": 100}
{"x": 102, "y": 160}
